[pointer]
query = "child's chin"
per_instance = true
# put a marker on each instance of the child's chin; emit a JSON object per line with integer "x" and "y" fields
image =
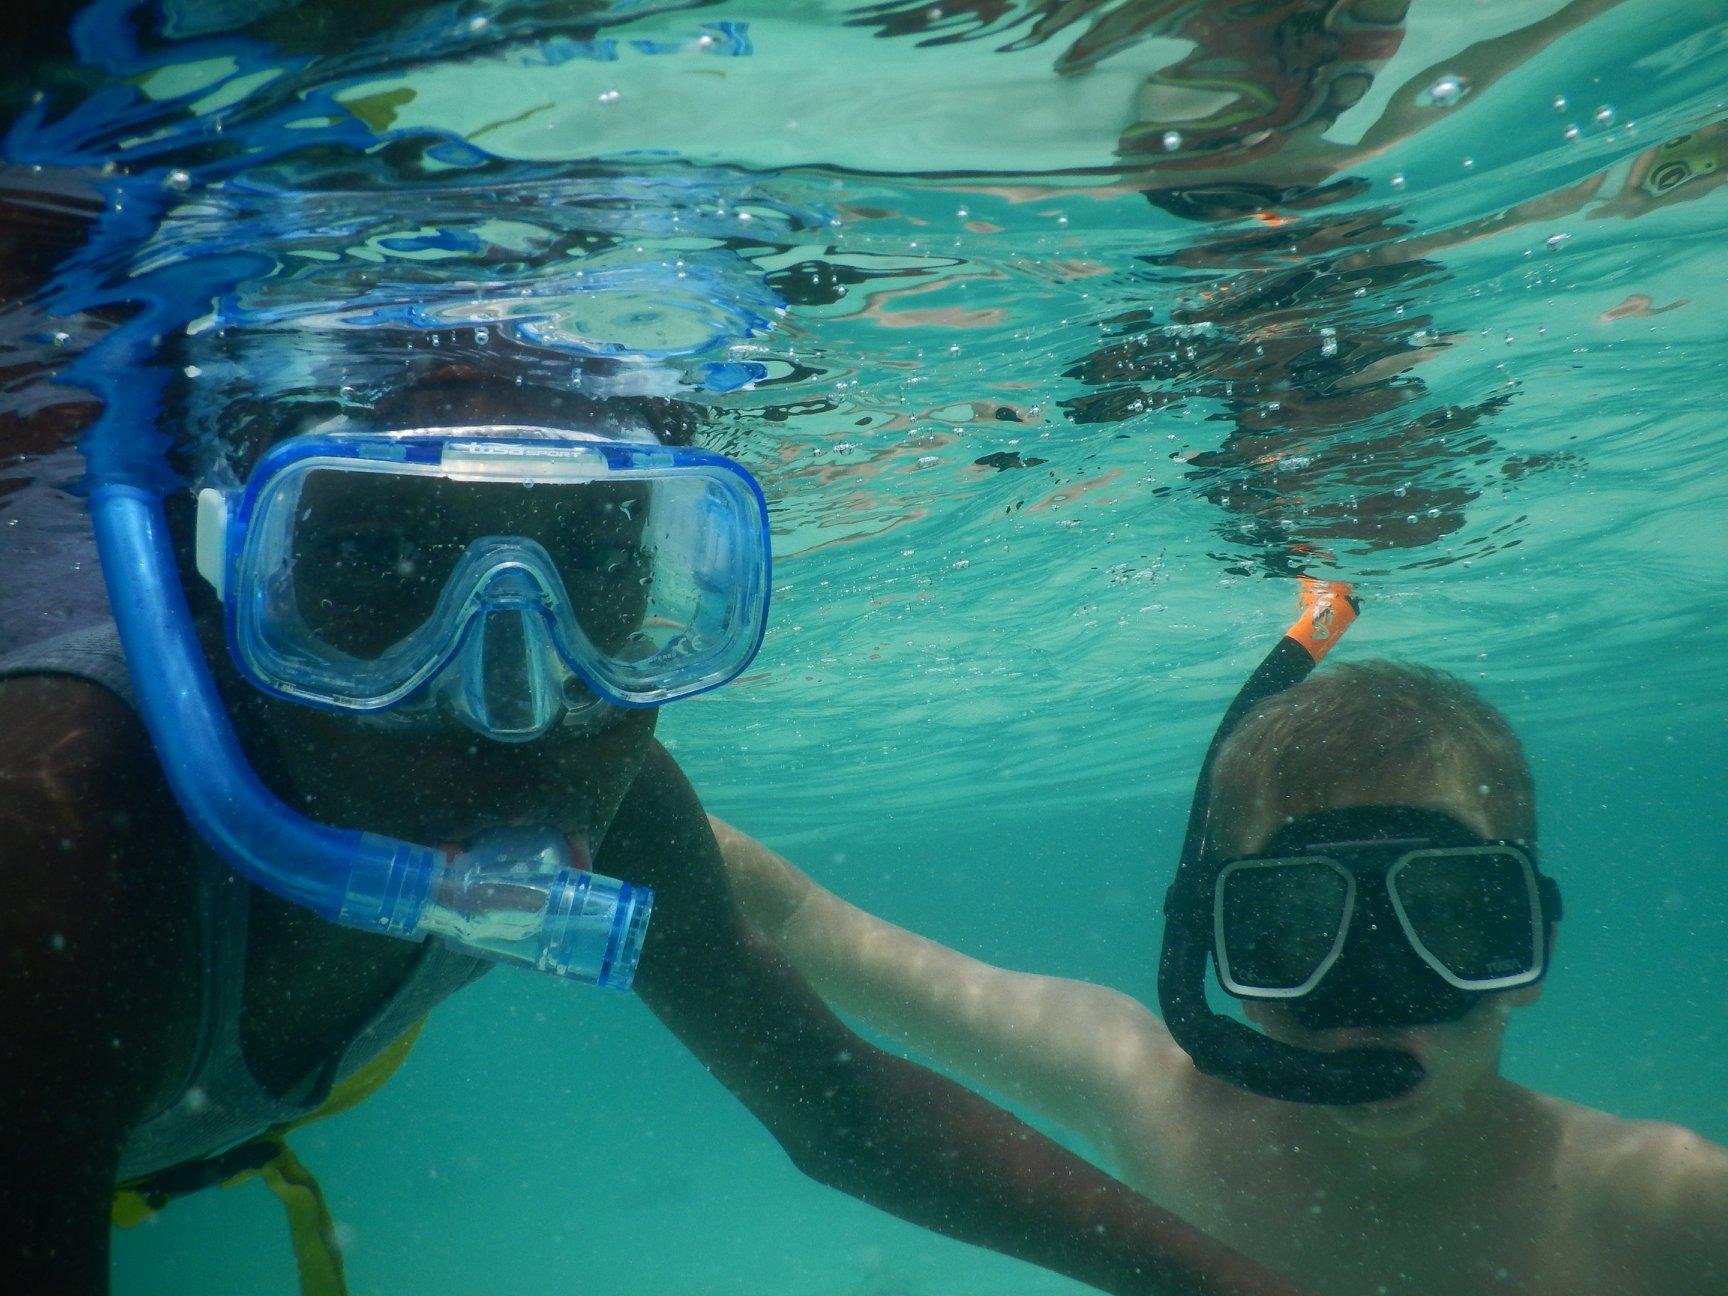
{"x": 1394, "y": 1118}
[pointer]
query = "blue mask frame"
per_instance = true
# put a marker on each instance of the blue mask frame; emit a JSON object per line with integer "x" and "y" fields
{"x": 708, "y": 524}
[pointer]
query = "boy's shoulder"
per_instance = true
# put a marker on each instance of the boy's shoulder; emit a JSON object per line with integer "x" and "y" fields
{"x": 1658, "y": 1188}
{"x": 1626, "y": 1152}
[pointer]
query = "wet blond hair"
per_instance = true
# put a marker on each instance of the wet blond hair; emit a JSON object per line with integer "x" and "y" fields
{"x": 1376, "y": 732}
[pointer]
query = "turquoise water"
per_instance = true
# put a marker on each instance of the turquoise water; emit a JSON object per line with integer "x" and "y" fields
{"x": 1043, "y": 456}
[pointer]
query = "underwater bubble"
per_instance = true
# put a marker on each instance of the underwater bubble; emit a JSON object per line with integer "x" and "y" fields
{"x": 609, "y": 96}
{"x": 1397, "y": 180}
{"x": 1559, "y": 103}
{"x": 1469, "y": 163}
{"x": 1328, "y": 342}
{"x": 1448, "y": 90}
{"x": 1605, "y": 115}
{"x": 1172, "y": 141}
{"x": 1571, "y": 133}
{"x": 177, "y": 180}
{"x": 60, "y": 338}
{"x": 1555, "y": 240}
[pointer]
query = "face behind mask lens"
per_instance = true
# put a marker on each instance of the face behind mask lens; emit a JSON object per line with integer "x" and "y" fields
{"x": 1380, "y": 916}
{"x": 1474, "y": 912}
{"x": 374, "y": 557}
{"x": 1282, "y": 922}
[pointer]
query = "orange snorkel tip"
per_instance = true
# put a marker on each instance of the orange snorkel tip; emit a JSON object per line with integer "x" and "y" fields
{"x": 1328, "y": 608}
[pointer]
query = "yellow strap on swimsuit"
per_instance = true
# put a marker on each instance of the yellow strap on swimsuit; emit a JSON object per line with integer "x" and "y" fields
{"x": 311, "y": 1229}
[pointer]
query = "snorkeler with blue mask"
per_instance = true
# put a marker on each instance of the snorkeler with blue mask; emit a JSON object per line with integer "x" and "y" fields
{"x": 360, "y": 572}
{"x": 399, "y": 673}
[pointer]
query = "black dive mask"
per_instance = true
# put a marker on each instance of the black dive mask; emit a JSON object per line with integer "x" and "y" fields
{"x": 1389, "y": 916}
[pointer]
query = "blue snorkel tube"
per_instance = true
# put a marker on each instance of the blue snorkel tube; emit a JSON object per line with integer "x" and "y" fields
{"x": 1221, "y": 1046}
{"x": 513, "y": 896}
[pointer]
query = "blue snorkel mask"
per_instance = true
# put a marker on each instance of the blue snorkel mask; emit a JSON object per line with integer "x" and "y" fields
{"x": 360, "y": 572}
{"x": 364, "y": 572}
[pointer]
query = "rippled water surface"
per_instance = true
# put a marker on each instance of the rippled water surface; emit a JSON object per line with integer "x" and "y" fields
{"x": 1062, "y": 337}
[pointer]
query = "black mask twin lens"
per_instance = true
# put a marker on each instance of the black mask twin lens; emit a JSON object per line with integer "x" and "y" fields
{"x": 1381, "y": 915}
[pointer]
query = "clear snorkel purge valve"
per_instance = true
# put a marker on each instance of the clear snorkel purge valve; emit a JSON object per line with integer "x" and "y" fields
{"x": 1221, "y": 1046}
{"x": 513, "y": 896}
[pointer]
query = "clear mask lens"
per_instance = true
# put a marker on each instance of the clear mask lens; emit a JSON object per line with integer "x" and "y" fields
{"x": 1474, "y": 912}
{"x": 1281, "y": 922}
{"x": 1472, "y": 915}
{"x": 375, "y": 558}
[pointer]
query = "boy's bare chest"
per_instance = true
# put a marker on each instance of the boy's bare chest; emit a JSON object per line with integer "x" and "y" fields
{"x": 1342, "y": 1238}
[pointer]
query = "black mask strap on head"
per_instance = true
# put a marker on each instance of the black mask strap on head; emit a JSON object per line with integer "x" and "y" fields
{"x": 1220, "y": 1046}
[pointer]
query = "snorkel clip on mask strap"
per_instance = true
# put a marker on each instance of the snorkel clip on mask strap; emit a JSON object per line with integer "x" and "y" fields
{"x": 1220, "y": 1046}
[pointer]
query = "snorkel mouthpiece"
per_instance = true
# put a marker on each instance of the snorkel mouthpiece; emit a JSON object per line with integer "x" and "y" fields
{"x": 512, "y": 895}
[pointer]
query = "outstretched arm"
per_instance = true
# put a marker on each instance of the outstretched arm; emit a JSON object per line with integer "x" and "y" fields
{"x": 858, "y": 1119}
{"x": 1065, "y": 1049}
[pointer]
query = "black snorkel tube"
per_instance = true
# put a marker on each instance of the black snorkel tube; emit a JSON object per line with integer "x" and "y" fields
{"x": 1221, "y": 1046}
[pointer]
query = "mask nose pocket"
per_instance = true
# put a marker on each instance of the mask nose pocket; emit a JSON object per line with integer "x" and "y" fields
{"x": 508, "y": 685}
{"x": 1378, "y": 980}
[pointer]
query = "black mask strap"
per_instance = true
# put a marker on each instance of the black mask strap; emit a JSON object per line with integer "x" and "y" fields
{"x": 1220, "y": 1046}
